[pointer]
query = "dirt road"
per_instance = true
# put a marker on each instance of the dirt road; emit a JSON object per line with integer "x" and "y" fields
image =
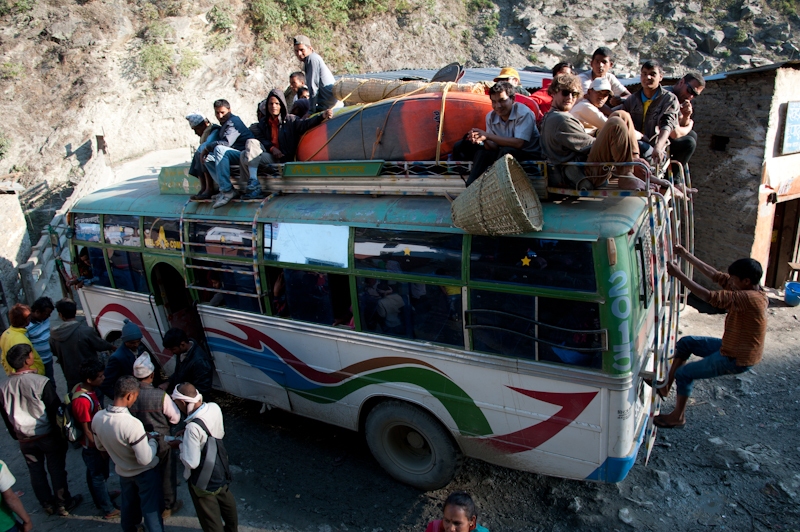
{"x": 736, "y": 466}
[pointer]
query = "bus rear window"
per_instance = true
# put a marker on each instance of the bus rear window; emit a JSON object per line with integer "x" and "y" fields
{"x": 162, "y": 233}
{"x": 87, "y": 227}
{"x": 121, "y": 230}
{"x": 229, "y": 240}
{"x": 533, "y": 262}
{"x": 412, "y": 252}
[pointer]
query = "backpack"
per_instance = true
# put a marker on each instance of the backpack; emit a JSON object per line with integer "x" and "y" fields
{"x": 213, "y": 472}
{"x": 69, "y": 427}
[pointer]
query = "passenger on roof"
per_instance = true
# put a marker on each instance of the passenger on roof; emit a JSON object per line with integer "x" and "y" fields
{"x": 277, "y": 138}
{"x": 297, "y": 80}
{"x": 319, "y": 79}
{"x": 512, "y": 76}
{"x": 542, "y": 98}
{"x": 654, "y": 110}
{"x": 225, "y": 150}
{"x": 207, "y": 133}
{"x": 510, "y": 128}
{"x": 587, "y": 110}
{"x": 683, "y": 140}
{"x": 564, "y": 140}
{"x": 602, "y": 61}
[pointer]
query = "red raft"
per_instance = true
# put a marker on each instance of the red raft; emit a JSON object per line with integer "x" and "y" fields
{"x": 397, "y": 129}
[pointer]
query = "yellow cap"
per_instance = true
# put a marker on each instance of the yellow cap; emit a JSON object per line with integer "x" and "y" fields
{"x": 506, "y": 73}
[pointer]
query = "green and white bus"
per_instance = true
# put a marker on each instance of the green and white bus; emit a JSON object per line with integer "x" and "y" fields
{"x": 375, "y": 313}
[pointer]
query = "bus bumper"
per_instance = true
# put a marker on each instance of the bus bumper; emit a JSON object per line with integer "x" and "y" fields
{"x": 616, "y": 469}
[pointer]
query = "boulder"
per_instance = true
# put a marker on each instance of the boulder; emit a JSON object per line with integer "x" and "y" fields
{"x": 730, "y": 29}
{"x": 62, "y": 31}
{"x": 613, "y": 32}
{"x": 760, "y": 61}
{"x": 710, "y": 42}
{"x": 749, "y": 11}
{"x": 789, "y": 48}
{"x": 676, "y": 14}
{"x": 552, "y": 48}
{"x": 694, "y": 32}
{"x": 694, "y": 59}
{"x": 694, "y": 7}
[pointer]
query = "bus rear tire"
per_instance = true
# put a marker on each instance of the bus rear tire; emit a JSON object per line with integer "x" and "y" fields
{"x": 412, "y": 446}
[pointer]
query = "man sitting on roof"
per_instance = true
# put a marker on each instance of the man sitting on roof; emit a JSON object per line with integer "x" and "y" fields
{"x": 542, "y": 97}
{"x": 207, "y": 133}
{"x": 683, "y": 141}
{"x": 226, "y": 149}
{"x": 564, "y": 140}
{"x": 297, "y": 80}
{"x": 276, "y": 139}
{"x": 602, "y": 61}
{"x": 588, "y": 110}
{"x": 510, "y": 128}
{"x": 512, "y": 76}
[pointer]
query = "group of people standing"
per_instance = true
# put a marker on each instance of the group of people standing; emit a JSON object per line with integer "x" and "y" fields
{"x": 137, "y": 430}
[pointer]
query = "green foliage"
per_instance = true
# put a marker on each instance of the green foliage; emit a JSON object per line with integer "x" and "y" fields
{"x": 155, "y": 60}
{"x": 14, "y": 7}
{"x": 787, "y": 7}
{"x": 725, "y": 54}
{"x": 219, "y": 41}
{"x": 188, "y": 63}
{"x": 473, "y": 6}
{"x": 5, "y": 145}
{"x": 221, "y": 16}
{"x": 156, "y": 32}
{"x": 9, "y": 71}
{"x": 741, "y": 35}
{"x": 492, "y": 22}
{"x": 149, "y": 12}
{"x": 533, "y": 58}
{"x": 641, "y": 26}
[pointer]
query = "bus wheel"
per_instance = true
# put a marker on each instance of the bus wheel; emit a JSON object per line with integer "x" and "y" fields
{"x": 412, "y": 446}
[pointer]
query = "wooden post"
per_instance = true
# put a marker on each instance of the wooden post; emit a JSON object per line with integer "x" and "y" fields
{"x": 28, "y": 283}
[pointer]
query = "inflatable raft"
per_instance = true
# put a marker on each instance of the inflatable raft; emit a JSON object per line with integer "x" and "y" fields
{"x": 399, "y": 129}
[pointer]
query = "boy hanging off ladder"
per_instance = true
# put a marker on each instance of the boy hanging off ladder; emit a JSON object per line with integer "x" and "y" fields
{"x": 742, "y": 342}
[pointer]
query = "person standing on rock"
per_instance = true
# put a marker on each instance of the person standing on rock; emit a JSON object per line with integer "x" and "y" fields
{"x": 602, "y": 61}
{"x": 683, "y": 141}
{"x": 458, "y": 515}
{"x": 74, "y": 343}
{"x": 19, "y": 317}
{"x": 208, "y": 133}
{"x": 206, "y": 461}
{"x": 742, "y": 343}
{"x": 319, "y": 79}
{"x": 220, "y": 154}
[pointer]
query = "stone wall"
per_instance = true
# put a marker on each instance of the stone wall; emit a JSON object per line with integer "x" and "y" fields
{"x": 731, "y": 119}
{"x": 15, "y": 247}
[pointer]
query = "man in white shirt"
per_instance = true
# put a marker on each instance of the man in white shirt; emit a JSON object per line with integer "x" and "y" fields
{"x": 135, "y": 455}
{"x": 588, "y": 111}
{"x": 602, "y": 61}
{"x": 206, "y": 461}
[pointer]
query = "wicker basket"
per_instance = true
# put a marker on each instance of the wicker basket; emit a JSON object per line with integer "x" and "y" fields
{"x": 501, "y": 202}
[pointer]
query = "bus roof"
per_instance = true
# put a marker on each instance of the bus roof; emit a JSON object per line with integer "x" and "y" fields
{"x": 576, "y": 218}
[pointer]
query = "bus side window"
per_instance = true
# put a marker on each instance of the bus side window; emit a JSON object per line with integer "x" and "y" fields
{"x": 316, "y": 297}
{"x": 121, "y": 230}
{"x": 577, "y": 316}
{"x": 92, "y": 267}
{"x": 214, "y": 286}
{"x": 413, "y": 252}
{"x": 503, "y": 323}
{"x": 127, "y": 269}
{"x": 411, "y": 310}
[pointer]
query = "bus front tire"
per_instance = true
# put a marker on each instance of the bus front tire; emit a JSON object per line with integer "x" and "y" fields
{"x": 412, "y": 446}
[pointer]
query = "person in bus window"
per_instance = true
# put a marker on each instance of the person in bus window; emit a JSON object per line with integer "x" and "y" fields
{"x": 217, "y": 298}
{"x": 86, "y": 274}
{"x": 458, "y": 515}
{"x": 390, "y": 309}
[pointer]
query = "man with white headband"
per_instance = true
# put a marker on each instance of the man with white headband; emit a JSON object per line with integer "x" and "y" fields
{"x": 206, "y": 461}
{"x": 157, "y": 412}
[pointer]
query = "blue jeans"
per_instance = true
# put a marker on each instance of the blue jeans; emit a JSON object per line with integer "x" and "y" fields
{"x": 141, "y": 498}
{"x": 96, "y": 476}
{"x": 712, "y": 365}
{"x": 218, "y": 164}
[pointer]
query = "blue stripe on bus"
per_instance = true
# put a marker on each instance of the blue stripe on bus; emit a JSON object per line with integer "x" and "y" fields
{"x": 616, "y": 469}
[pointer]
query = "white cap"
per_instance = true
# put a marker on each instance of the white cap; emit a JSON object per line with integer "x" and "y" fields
{"x": 600, "y": 84}
{"x": 143, "y": 367}
{"x": 195, "y": 118}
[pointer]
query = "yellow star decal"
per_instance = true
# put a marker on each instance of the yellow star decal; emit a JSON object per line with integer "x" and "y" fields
{"x": 406, "y": 251}
{"x": 526, "y": 261}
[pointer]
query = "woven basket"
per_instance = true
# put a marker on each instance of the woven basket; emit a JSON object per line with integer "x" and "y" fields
{"x": 501, "y": 202}
{"x": 374, "y": 90}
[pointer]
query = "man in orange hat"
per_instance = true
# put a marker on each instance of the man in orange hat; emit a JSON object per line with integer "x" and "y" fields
{"x": 512, "y": 76}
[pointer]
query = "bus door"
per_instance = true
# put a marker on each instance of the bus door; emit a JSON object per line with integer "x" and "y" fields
{"x": 174, "y": 302}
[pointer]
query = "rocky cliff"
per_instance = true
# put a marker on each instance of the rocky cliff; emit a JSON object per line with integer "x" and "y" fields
{"x": 71, "y": 71}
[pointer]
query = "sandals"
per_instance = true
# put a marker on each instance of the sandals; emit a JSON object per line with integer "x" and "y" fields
{"x": 659, "y": 422}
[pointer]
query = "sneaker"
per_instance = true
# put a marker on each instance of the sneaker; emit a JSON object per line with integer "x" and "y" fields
{"x": 69, "y": 505}
{"x": 225, "y": 198}
{"x": 172, "y": 511}
{"x": 112, "y": 514}
{"x": 48, "y": 510}
{"x": 254, "y": 195}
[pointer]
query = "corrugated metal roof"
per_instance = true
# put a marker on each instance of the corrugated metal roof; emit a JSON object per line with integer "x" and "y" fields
{"x": 471, "y": 75}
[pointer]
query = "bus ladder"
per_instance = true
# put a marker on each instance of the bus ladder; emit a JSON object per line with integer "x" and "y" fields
{"x": 186, "y": 244}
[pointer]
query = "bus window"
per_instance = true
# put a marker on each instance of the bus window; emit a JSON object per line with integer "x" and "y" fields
{"x": 419, "y": 311}
{"x": 121, "y": 230}
{"x": 313, "y": 244}
{"x": 577, "y": 316}
{"x": 92, "y": 266}
{"x": 316, "y": 297}
{"x": 162, "y": 233}
{"x": 413, "y": 252}
{"x": 503, "y": 323}
{"x": 87, "y": 227}
{"x": 216, "y": 288}
{"x": 533, "y": 262}
{"x": 230, "y": 240}
{"x": 127, "y": 269}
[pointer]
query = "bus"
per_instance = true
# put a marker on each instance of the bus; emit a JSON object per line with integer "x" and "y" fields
{"x": 375, "y": 313}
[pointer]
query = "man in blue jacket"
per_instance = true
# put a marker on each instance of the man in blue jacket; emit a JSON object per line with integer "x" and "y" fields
{"x": 218, "y": 155}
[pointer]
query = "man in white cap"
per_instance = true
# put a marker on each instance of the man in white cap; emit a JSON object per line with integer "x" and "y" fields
{"x": 207, "y": 132}
{"x": 588, "y": 110}
{"x": 319, "y": 79}
{"x": 157, "y": 412}
{"x": 206, "y": 461}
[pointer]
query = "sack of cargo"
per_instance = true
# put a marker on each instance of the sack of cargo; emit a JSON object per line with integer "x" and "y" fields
{"x": 374, "y": 90}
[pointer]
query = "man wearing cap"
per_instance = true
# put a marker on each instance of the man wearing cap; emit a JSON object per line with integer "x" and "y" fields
{"x": 206, "y": 462}
{"x": 135, "y": 456}
{"x": 602, "y": 61}
{"x": 157, "y": 412}
{"x": 121, "y": 362}
{"x": 319, "y": 79}
{"x": 512, "y": 76}
{"x": 510, "y": 129}
{"x": 208, "y": 133}
{"x": 588, "y": 110}
{"x": 542, "y": 98}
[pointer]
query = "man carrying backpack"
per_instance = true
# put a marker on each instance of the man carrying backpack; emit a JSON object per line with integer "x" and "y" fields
{"x": 206, "y": 461}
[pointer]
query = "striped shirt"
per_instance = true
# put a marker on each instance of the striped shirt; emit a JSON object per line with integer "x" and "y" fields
{"x": 39, "y": 335}
{"x": 746, "y": 322}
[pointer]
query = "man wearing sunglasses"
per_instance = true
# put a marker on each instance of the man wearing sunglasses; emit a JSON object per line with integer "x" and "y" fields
{"x": 683, "y": 140}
